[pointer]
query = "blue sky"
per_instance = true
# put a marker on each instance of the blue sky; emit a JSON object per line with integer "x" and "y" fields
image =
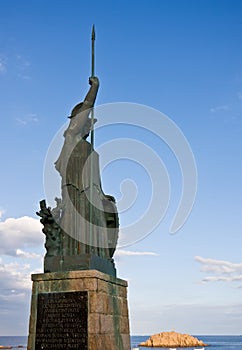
{"x": 183, "y": 58}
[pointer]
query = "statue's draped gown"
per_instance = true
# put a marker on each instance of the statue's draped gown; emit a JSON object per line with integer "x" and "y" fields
{"x": 74, "y": 165}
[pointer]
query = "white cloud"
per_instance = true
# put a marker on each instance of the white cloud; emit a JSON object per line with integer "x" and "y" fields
{"x": 14, "y": 277}
{"x": 120, "y": 252}
{"x": 221, "y": 270}
{"x": 15, "y": 288}
{"x": 15, "y": 296}
{"x": 27, "y": 255}
{"x": 28, "y": 119}
{"x": 219, "y": 108}
{"x": 17, "y": 234}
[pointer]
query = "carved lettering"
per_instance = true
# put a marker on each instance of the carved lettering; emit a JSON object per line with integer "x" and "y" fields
{"x": 62, "y": 321}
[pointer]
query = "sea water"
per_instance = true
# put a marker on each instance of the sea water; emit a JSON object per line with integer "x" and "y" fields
{"x": 216, "y": 342}
{"x": 14, "y": 341}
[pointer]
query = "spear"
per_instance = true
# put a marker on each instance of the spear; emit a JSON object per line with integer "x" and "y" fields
{"x": 92, "y": 148}
{"x": 93, "y": 67}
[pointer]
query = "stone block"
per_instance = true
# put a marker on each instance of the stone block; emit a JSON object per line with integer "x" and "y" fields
{"x": 124, "y": 325}
{"x": 124, "y": 307}
{"x": 90, "y": 284}
{"x": 74, "y": 284}
{"x": 111, "y": 342}
{"x": 119, "y": 303}
{"x": 126, "y": 341}
{"x": 94, "y": 323}
{"x": 102, "y": 286}
{"x": 121, "y": 291}
{"x": 116, "y": 305}
{"x": 95, "y": 303}
{"x": 93, "y": 342}
{"x": 106, "y": 324}
{"x": 109, "y": 304}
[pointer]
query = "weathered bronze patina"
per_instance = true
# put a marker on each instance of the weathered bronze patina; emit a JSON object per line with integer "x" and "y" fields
{"x": 82, "y": 231}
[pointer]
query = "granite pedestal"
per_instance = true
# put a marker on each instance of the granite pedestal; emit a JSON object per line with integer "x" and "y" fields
{"x": 84, "y": 310}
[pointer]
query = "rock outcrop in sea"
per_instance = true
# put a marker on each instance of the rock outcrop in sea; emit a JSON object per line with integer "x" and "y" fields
{"x": 172, "y": 340}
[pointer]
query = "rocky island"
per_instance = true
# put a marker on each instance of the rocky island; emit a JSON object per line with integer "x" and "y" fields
{"x": 172, "y": 340}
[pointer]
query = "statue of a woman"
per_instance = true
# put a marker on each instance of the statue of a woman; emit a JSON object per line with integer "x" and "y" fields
{"x": 84, "y": 233}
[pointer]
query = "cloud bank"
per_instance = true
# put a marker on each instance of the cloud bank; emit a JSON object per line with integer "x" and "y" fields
{"x": 14, "y": 278}
{"x": 17, "y": 235}
{"x": 21, "y": 242}
{"x": 220, "y": 270}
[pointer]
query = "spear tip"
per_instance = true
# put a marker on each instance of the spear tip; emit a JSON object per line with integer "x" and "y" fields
{"x": 93, "y": 32}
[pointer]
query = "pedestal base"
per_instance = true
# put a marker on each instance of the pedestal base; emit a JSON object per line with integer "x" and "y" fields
{"x": 79, "y": 262}
{"x": 81, "y": 310}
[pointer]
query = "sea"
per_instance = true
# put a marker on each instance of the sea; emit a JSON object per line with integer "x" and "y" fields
{"x": 216, "y": 342}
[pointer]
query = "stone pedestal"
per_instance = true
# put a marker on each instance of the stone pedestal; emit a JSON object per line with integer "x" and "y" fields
{"x": 81, "y": 310}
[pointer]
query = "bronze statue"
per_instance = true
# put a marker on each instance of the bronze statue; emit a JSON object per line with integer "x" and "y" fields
{"x": 86, "y": 218}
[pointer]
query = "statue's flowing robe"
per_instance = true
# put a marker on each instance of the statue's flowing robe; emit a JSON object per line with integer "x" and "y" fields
{"x": 74, "y": 166}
